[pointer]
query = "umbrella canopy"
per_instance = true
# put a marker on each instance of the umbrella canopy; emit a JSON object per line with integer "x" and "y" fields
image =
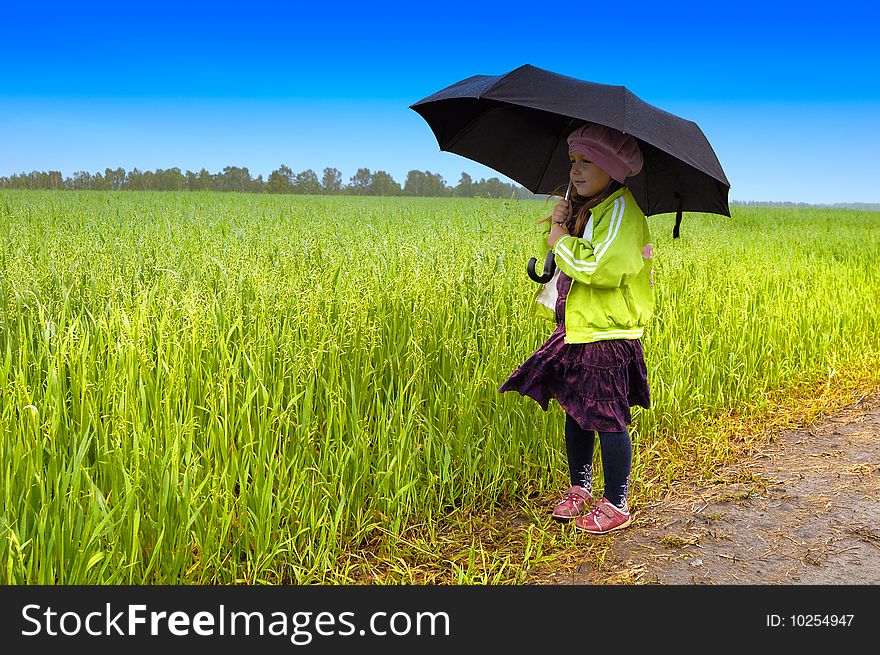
{"x": 518, "y": 123}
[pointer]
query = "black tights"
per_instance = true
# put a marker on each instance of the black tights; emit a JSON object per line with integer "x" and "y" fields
{"x": 616, "y": 451}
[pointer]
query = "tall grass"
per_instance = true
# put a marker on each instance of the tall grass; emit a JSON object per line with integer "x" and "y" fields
{"x": 219, "y": 388}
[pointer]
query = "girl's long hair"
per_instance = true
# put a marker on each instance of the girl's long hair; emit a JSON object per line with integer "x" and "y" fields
{"x": 581, "y": 206}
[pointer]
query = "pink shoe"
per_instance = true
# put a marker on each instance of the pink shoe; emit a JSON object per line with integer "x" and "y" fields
{"x": 574, "y": 501}
{"x": 604, "y": 518}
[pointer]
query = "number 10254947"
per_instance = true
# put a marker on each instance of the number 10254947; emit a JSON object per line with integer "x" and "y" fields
{"x": 810, "y": 620}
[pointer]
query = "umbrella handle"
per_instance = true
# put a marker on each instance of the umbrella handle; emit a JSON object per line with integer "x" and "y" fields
{"x": 549, "y": 268}
{"x": 549, "y": 261}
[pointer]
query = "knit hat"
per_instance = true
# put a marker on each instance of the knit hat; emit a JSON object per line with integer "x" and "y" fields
{"x": 613, "y": 151}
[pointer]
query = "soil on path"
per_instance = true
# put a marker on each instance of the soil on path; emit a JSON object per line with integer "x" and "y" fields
{"x": 809, "y": 514}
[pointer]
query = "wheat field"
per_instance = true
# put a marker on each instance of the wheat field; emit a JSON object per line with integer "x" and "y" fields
{"x": 207, "y": 388}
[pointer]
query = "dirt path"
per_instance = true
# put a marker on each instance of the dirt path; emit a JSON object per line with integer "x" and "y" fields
{"x": 810, "y": 515}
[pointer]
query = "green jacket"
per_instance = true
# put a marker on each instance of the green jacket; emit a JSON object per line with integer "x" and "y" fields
{"x": 611, "y": 266}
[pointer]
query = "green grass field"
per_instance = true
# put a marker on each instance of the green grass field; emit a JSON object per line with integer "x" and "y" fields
{"x": 224, "y": 388}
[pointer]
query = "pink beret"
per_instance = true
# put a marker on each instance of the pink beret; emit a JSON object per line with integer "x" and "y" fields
{"x": 613, "y": 151}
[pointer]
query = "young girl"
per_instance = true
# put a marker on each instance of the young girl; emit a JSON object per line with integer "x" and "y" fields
{"x": 601, "y": 297}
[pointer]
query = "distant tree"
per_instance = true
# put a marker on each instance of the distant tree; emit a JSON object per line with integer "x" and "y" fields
{"x": 331, "y": 183}
{"x": 170, "y": 179}
{"x": 415, "y": 182}
{"x": 80, "y": 180}
{"x": 205, "y": 181}
{"x": 234, "y": 178}
{"x": 148, "y": 179}
{"x": 115, "y": 179}
{"x": 425, "y": 183}
{"x": 465, "y": 187}
{"x": 54, "y": 180}
{"x": 382, "y": 184}
{"x": 494, "y": 188}
{"x": 134, "y": 180}
{"x": 306, "y": 182}
{"x": 359, "y": 184}
{"x": 280, "y": 180}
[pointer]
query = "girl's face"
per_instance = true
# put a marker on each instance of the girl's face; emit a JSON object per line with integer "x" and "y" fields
{"x": 586, "y": 177}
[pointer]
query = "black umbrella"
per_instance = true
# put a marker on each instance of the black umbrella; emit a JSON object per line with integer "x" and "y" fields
{"x": 517, "y": 124}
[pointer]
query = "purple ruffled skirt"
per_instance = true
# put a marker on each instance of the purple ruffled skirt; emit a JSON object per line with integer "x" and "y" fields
{"x": 595, "y": 383}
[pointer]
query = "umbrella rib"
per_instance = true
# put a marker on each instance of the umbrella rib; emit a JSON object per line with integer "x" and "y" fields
{"x": 552, "y": 150}
{"x": 451, "y": 142}
{"x": 478, "y": 98}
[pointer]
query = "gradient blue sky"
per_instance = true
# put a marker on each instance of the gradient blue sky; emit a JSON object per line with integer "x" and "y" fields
{"x": 787, "y": 93}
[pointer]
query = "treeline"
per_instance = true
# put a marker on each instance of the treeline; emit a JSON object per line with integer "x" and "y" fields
{"x": 283, "y": 180}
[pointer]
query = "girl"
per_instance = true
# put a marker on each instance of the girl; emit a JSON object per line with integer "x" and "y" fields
{"x": 601, "y": 297}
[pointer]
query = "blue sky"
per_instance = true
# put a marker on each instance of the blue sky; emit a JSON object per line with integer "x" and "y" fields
{"x": 787, "y": 93}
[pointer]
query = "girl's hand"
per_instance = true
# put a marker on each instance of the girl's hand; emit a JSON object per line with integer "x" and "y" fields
{"x": 556, "y": 231}
{"x": 561, "y": 211}
{"x": 558, "y": 218}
